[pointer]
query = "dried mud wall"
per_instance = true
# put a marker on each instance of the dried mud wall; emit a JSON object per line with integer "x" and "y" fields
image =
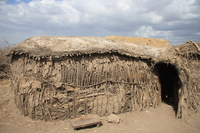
{"x": 67, "y": 87}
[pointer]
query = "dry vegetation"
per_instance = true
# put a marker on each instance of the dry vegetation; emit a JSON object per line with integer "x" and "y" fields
{"x": 4, "y": 60}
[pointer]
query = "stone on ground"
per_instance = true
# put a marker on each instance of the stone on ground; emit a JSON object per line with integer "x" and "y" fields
{"x": 86, "y": 121}
{"x": 113, "y": 119}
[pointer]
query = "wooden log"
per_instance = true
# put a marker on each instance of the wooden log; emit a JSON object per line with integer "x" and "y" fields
{"x": 131, "y": 93}
{"x": 141, "y": 98}
{"x": 67, "y": 103}
{"x": 83, "y": 73}
{"x": 159, "y": 99}
{"x": 135, "y": 98}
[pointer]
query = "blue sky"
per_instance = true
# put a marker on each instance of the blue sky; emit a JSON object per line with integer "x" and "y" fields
{"x": 17, "y": 1}
{"x": 173, "y": 20}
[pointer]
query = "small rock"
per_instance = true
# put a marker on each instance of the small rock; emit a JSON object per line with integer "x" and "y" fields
{"x": 113, "y": 119}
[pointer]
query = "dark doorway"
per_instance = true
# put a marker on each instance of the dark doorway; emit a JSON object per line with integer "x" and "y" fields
{"x": 169, "y": 81}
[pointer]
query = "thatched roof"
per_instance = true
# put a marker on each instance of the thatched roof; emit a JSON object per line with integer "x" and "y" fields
{"x": 153, "y": 42}
{"x": 68, "y": 46}
{"x": 189, "y": 47}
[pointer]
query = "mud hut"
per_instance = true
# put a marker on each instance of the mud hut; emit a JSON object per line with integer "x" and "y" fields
{"x": 65, "y": 77}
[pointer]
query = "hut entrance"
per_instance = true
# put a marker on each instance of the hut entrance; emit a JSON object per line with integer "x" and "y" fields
{"x": 169, "y": 81}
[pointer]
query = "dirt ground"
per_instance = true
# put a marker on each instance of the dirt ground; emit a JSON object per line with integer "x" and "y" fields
{"x": 155, "y": 120}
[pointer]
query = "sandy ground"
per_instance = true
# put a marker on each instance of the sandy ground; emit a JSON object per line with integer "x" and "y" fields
{"x": 151, "y": 120}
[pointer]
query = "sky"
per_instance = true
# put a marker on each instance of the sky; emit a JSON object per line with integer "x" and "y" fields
{"x": 176, "y": 21}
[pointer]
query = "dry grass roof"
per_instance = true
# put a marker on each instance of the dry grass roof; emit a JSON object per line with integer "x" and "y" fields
{"x": 142, "y": 40}
{"x": 189, "y": 47}
{"x": 68, "y": 46}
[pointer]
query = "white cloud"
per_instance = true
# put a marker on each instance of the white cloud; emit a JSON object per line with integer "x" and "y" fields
{"x": 148, "y": 31}
{"x": 2, "y": 2}
{"x": 160, "y": 19}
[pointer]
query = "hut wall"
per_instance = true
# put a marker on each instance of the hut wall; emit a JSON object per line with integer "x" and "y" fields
{"x": 67, "y": 87}
{"x": 189, "y": 94}
{"x": 192, "y": 62}
{"x": 187, "y": 62}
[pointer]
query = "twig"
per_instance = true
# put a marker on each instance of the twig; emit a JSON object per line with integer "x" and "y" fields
{"x": 198, "y": 49}
{"x": 6, "y": 41}
{"x": 102, "y": 83}
{"x": 49, "y": 114}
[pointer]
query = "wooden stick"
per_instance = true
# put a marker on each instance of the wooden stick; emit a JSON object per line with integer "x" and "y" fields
{"x": 198, "y": 49}
{"x": 49, "y": 114}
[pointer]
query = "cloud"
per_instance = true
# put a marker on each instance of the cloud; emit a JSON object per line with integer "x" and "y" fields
{"x": 174, "y": 20}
